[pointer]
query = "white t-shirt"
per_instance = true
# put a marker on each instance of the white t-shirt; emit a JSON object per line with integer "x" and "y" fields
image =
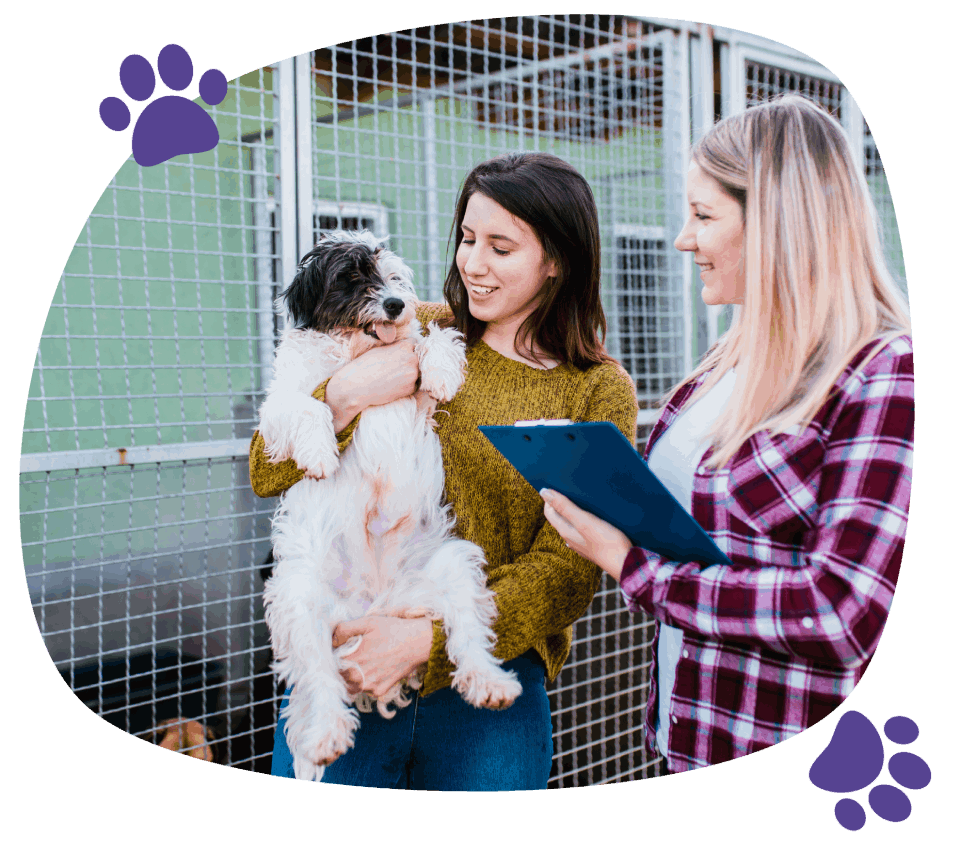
{"x": 674, "y": 460}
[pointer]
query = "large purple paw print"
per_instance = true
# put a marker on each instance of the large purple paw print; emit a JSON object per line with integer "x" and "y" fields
{"x": 170, "y": 125}
{"x": 854, "y": 759}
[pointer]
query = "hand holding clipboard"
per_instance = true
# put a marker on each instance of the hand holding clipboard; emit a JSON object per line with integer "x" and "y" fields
{"x": 594, "y": 466}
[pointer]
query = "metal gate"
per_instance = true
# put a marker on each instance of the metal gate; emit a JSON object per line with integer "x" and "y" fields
{"x": 144, "y": 547}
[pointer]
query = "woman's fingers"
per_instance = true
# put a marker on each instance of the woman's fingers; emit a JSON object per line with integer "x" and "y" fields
{"x": 555, "y": 519}
{"x": 343, "y": 632}
{"x": 570, "y": 517}
{"x": 566, "y": 530}
{"x": 586, "y": 534}
{"x": 563, "y": 506}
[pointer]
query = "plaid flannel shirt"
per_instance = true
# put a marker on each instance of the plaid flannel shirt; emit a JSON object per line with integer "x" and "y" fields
{"x": 814, "y": 524}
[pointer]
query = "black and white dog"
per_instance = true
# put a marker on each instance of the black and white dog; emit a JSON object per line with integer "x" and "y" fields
{"x": 365, "y": 532}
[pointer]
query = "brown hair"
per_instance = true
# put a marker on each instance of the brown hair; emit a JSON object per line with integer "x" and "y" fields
{"x": 557, "y": 203}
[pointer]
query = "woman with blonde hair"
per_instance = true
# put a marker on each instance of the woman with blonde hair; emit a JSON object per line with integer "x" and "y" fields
{"x": 791, "y": 444}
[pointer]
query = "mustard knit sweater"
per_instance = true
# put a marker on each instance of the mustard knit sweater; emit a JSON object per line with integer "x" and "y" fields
{"x": 541, "y": 586}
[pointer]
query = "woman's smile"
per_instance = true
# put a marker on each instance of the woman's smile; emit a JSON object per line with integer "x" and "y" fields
{"x": 481, "y": 291}
{"x": 502, "y": 265}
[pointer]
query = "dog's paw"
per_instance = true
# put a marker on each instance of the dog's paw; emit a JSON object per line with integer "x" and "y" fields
{"x": 427, "y": 404}
{"x": 415, "y": 680}
{"x": 332, "y": 744}
{"x": 317, "y": 472}
{"x": 303, "y": 769}
{"x": 276, "y": 454}
{"x": 443, "y": 361}
{"x": 491, "y": 688}
{"x": 277, "y": 441}
{"x": 315, "y": 448}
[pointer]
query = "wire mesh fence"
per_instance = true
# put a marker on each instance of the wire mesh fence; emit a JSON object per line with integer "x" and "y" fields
{"x": 145, "y": 549}
{"x": 137, "y": 521}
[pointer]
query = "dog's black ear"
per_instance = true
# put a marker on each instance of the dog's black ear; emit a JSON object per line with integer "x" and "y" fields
{"x": 307, "y": 289}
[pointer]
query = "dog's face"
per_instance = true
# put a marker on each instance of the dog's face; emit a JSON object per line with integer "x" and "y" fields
{"x": 350, "y": 283}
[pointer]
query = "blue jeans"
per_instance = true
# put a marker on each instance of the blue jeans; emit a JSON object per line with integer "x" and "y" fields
{"x": 442, "y": 743}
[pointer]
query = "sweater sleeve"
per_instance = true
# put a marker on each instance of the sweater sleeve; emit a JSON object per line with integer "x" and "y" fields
{"x": 547, "y": 589}
{"x": 268, "y": 478}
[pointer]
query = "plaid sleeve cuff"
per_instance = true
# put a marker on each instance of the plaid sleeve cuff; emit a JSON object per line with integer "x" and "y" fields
{"x": 639, "y": 570}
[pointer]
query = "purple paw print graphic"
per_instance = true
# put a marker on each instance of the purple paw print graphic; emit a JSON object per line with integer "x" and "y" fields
{"x": 170, "y": 125}
{"x": 854, "y": 759}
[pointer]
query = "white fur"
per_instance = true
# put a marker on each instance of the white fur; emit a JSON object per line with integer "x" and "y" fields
{"x": 366, "y": 533}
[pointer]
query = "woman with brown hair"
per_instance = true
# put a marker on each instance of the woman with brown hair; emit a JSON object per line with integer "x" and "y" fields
{"x": 791, "y": 444}
{"x": 524, "y": 289}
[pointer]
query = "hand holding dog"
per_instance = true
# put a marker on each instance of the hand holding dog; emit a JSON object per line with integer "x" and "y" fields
{"x": 586, "y": 534}
{"x": 391, "y": 650}
{"x": 378, "y": 377}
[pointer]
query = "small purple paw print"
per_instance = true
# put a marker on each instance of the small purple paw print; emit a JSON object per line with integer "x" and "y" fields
{"x": 170, "y": 125}
{"x": 854, "y": 759}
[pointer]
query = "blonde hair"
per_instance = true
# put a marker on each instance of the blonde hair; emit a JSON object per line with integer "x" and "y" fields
{"x": 817, "y": 288}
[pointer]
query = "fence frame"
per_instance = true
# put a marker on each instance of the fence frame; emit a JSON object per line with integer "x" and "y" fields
{"x": 688, "y": 51}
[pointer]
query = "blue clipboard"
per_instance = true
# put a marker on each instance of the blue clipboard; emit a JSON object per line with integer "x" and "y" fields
{"x": 595, "y": 466}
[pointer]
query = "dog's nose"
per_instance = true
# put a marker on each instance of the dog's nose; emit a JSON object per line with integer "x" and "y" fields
{"x": 393, "y": 307}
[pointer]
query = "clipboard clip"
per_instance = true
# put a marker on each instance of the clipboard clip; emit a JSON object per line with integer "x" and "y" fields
{"x": 525, "y": 423}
